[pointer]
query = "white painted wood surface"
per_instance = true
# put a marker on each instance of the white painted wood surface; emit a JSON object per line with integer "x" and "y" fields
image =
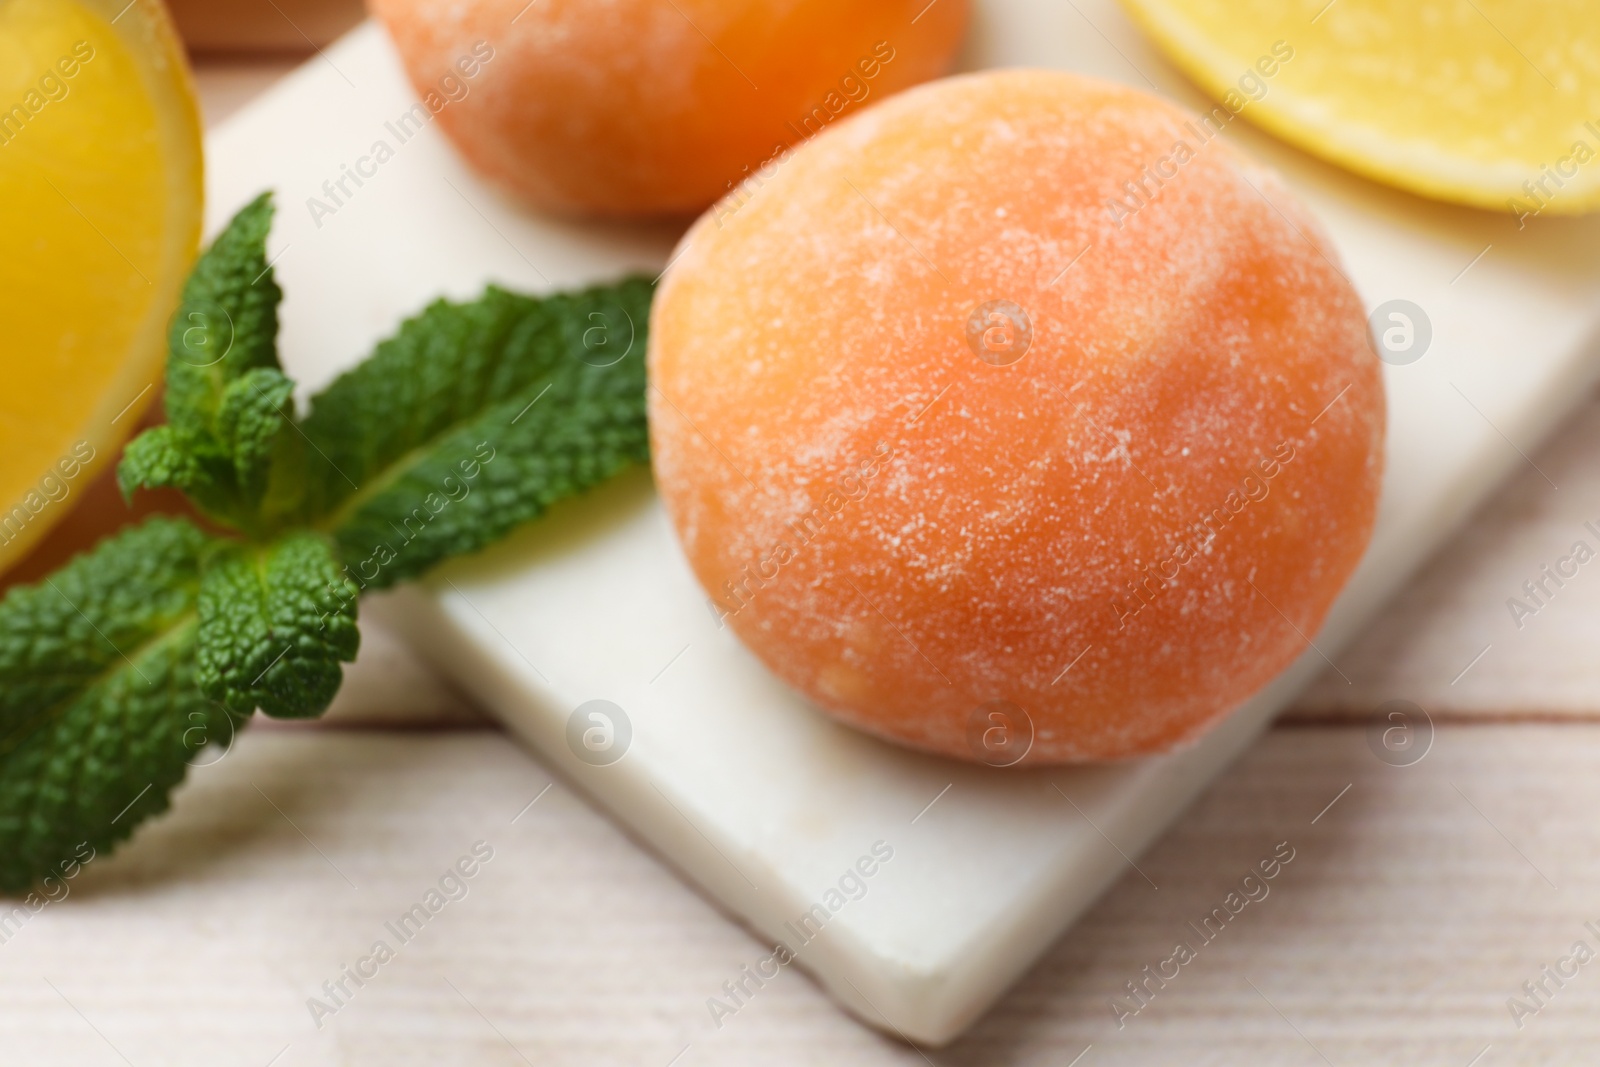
{"x": 1413, "y": 908}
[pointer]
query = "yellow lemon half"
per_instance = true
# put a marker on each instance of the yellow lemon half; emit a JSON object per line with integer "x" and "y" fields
{"x": 100, "y": 211}
{"x": 1494, "y": 103}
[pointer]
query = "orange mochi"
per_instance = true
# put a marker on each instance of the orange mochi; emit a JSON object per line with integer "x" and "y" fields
{"x": 655, "y": 107}
{"x": 1017, "y": 417}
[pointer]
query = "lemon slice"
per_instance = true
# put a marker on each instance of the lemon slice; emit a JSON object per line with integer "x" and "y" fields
{"x": 1494, "y": 103}
{"x": 100, "y": 206}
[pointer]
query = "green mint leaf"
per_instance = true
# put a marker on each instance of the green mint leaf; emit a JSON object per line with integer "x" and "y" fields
{"x": 226, "y": 323}
{"x": 275, "y": 623}
{"x": 160, "y": 458}
{"x": 226, "y": 399}
{"x": 202, "y": 467}
{"x": 256, "y": 424}
{"x": 474, "y": 418}
{"x": 99, "y": 714}
{"x": 250, "y": 420}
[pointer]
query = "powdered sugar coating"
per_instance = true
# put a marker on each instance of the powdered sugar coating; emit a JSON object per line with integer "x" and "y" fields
{"x": 650, "y": 107}
{"x": 981, "y": 532}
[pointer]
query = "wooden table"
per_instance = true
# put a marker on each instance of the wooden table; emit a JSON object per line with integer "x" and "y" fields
{"x": 1419, "y": 899}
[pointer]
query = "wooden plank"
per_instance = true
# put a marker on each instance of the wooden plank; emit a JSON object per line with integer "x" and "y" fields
{"x": 254, "y": 26}
{"x": 1412, "y": 909}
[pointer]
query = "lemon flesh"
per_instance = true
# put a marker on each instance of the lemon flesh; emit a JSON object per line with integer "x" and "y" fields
{"x": 1493, "y": 103}
{"x": 100, "y": 211}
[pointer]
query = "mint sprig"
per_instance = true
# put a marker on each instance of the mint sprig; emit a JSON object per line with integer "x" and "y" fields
{"x": 99, "y": 709}
{"x": 475, "y": 417}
